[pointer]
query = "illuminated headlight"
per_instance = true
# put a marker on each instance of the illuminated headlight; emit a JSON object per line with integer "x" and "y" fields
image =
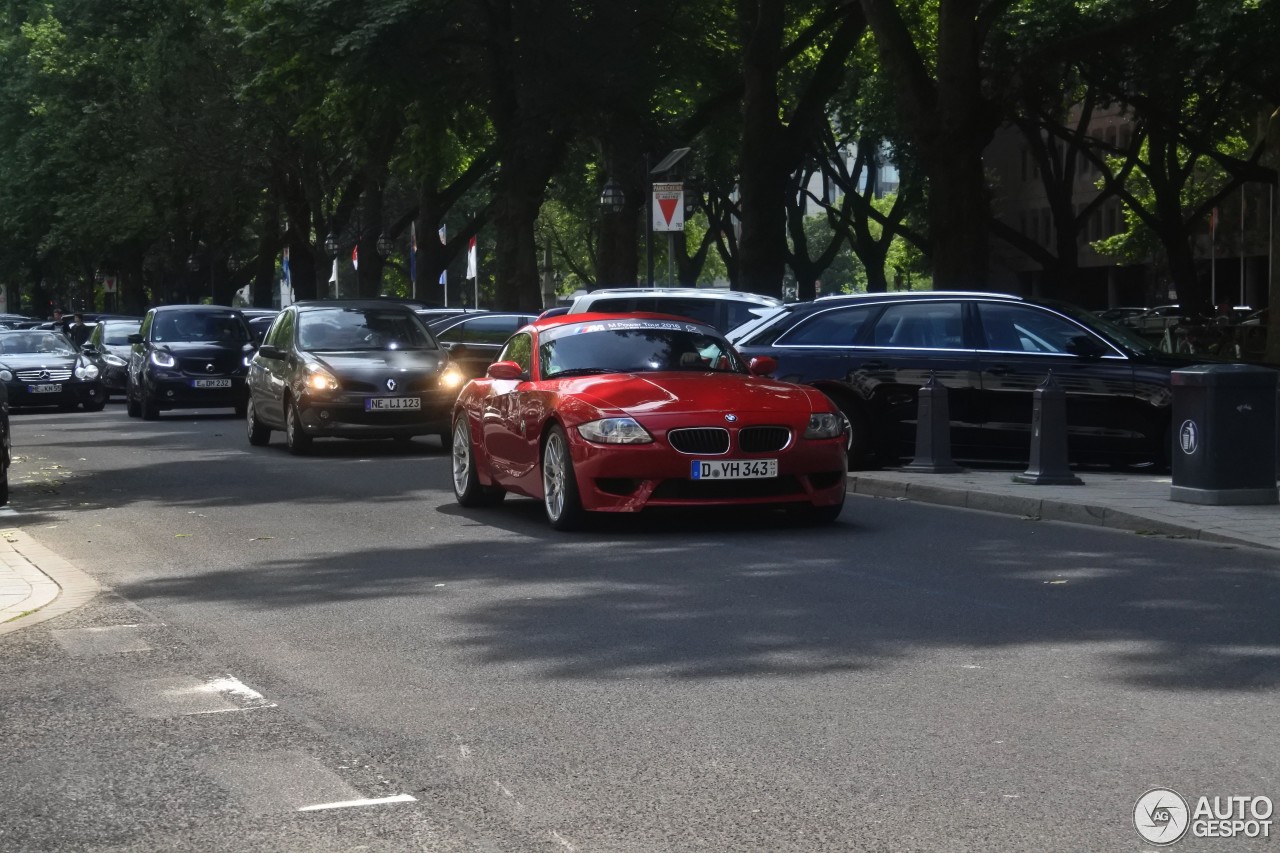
{"x": 115, "y": 360}
{"x": 451, "y": 378}
{"x": 824, "y": 425}
{"x": 614, "y": 431}
{"x": 162, "y": 359}
{"x": 248, "y": 358}
{"x": 87, "y": 371}
{"x": 319, "y": 379}
{"x": 6, "y": 375}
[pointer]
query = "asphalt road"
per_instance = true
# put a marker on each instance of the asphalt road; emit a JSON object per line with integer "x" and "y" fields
{"x": 281, "y": 633}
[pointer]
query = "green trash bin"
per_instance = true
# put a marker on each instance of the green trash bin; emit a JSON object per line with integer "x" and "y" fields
{"x": 1224, "y": 435}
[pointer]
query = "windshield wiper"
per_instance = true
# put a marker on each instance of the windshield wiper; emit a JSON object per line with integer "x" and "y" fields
{"x": 579, "y": 371}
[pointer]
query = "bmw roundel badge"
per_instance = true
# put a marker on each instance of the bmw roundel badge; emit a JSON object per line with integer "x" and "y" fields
{"x": 730, "y": 418}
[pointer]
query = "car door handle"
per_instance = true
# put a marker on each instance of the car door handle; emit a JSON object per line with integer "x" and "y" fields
{"x": 874, "y": 365}
{"x": 998, "y": 370}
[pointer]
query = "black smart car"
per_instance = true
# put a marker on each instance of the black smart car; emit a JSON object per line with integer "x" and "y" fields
{"x": 42, "y": 368}
{"x": 188, "y": 357}
{"x": 108, "y": 350}
{"x": 350, "y": 369}
{"x": 871, "y": 354}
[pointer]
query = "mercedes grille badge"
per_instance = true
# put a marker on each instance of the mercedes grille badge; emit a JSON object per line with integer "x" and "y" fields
{"x": 730, "y": 418}
{"x": 391, "y": 385}
{"x": 44, "y": 374}
{"x": 208, "y": 368}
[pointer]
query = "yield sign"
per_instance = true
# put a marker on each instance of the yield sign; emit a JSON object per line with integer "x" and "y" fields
{"x": 668, "y": 207}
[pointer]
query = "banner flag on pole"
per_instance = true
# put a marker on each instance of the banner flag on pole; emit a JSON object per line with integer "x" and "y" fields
{"x": 333, "y": 276}
{"x": 355, "y": 257}
{"x": 471, "y": 259}
{"x": 444, "y": 272}
{"x": 284, "y": 267}
{"x": 413, "y": 253}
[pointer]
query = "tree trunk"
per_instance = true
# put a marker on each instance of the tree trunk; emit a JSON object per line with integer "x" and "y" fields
{"x": 516, "y": 278}
{"x": 762, "y": 184}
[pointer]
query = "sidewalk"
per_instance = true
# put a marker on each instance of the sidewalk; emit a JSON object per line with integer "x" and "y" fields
{"x": 36, "y": 584}
{"x": 1134, "y": 502}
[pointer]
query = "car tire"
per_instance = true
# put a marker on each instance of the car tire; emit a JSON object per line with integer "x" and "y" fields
{"x": 446, "y": 439}
{"x": 861, "y": 447}
{"x": 131, "y": 406}
{"x": 298, "y": 442}
{"x": 560, "y": 496}
{"x": 150, "y": 411}
{"x": 94, "y": 407}
{"x": 259, "y": 435}
{"x": 809, "y": 514}
{"x": 466, "y": 480}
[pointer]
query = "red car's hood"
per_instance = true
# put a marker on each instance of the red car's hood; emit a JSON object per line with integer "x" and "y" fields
{"x": 683, "y": 391}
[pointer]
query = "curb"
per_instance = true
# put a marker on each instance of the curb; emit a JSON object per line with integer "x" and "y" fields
{"x": 1040, "y": 509}
{"x": 57, "y": 587}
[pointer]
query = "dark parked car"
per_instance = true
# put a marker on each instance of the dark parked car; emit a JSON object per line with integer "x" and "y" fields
{"x": 108, "y": 350}
{"x": 6, "y": 446}
{"x": 474, "y": 340}
{"x": 42, "y": 368}
{"x": 350, "y": 369}
{"x": 871, "y": 353}
{"x": 259, "y": 320}
{"x": 188, "y": 357}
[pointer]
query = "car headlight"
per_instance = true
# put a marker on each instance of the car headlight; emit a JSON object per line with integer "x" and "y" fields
{"x": 160, "y": 358}
{"x": 319, "y": 379}
{"x": 824, "y": 425}
{"x": 115, "y": 360}
{"x": 86, "y": 371}
{"x": 451, "y": 378}
{"x": 614, "y": 431}
{"x": 6, "y": 375}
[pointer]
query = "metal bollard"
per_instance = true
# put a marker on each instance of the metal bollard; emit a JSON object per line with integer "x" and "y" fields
{"x": 1049, "y": 439}
{"x": 933, "y": 431}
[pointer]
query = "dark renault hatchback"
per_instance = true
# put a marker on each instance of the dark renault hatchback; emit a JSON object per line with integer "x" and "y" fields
{"x": 871, "y": 354}
{"x": 350, "y": 369}
{"x": 188, "y": 357}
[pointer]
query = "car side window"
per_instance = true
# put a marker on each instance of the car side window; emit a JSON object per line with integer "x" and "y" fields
{"x": 1020, "y": 328}
{"x": 614, "y": 305}
{"x": 520, "y": 350}
{"x": 281, "y": 332}
{"x": 836, "y": 327}
{"x": 147, "y": 322}
{"x": 488, "y": 330}
{"x": 920, "y": 325}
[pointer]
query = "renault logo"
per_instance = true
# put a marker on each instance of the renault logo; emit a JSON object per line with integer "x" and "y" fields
{"x": 391, "y": 385}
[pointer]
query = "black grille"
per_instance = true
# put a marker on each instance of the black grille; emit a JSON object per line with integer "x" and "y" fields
{"x": 723, "y": 490}
{"x": 700, "y": 440}
{"x": 763, "y": 439}
{"x": 56, "y": 374}
{"x": 222, "y": 363}
{"x": 415, "y": 383}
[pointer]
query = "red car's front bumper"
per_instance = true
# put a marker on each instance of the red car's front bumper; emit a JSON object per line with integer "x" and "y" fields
{"x": 629, "y": 478}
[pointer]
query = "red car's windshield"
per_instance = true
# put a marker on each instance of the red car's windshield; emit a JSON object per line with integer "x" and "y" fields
{"x": 633, "y": 346}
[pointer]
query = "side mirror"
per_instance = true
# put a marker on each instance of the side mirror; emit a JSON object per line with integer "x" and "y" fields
{"x": 88, "y": 349}
{"x": 270, "y": 351}
{"x": 763, "y": 365}
{"x": 506, "y": 370}
{"x": 135, "y": 338}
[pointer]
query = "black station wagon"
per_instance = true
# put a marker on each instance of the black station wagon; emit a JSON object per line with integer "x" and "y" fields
{"x": 871, "y": 353}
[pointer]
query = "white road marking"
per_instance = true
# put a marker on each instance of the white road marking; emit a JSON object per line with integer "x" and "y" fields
{"x": 351, "y": 804}
{"x": 560, "y": 839}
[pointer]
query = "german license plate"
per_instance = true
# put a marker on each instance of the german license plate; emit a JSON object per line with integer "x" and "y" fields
{"x": 734, "y": 469}
{"x": 391, "y": 404}
{"x": 43, "y": 389}
{"x": 211, "y": 383}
